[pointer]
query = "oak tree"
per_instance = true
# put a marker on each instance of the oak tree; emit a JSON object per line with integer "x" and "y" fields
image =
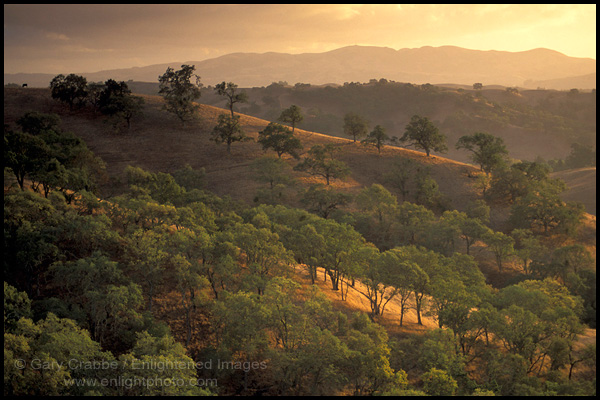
{"x": 423, "y": 134}
{"x": 228, "y": 130}
{"x": 69, "y": 89}
{"x": 377, "y": 137}
{"x": 229, "y": 89}
{"x": 280, "y": 139}
{"x": 180, "y": 92}
{"x": 321, "y": 162}
{"x": 355, "y": 126}
{"x": 293, "y": 115}
{"x": 488, "y": 151}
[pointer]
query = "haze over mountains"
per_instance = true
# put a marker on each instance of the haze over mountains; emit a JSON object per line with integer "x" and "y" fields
{"x": 436, "y": 65}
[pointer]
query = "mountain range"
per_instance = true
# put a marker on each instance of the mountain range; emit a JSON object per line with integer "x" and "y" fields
{"x": 435, "y": 65}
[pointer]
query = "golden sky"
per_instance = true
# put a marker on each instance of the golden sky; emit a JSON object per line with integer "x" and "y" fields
{"x": 89, "y": 38}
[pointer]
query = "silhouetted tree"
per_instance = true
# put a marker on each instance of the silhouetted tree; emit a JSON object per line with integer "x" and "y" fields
{"x": 355, "y": 126}
{"x": 69, "y": 89}
{"x": 228, "y": 130}
{"x": 117, "y": 102}
{"x": 229, "y": 91}
{"x": 179, "y": 92}
{"x": 421, "y": 133}
{"x": 280, "y": 139}
{"x": 293, "y": 115}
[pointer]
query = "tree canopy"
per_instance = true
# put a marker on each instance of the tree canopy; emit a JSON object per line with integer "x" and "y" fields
{"x": 227, "y": 296}
{"x": 229, "y": 91}
{"x": 179, "y": 91}
{"x": 70, "y": 89}
{"x": 355, "y": 126}
{"x": 423, "y": 134}
{"x": 292, "y": 115}
{"x": 280, "y": 139}
{"x": 488, "y": 151}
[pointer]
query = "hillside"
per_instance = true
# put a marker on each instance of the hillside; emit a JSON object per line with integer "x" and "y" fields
{"x": 582, "y": 186}
{"x": 435, "y": 65}
{"x": 157, "y": 142}
{"x": 583, "y": 81}
{"x": 197, "y": 278}
{"x": 532, "y": 123}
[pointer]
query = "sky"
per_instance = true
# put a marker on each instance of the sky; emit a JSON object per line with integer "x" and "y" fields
{"x": 89, "y": 38}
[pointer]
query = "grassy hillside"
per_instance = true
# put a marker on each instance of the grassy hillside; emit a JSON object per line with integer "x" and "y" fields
{"x": 582, "y": 186}
{"x": 532, "y": 123}
{"x": 158, "y": 142}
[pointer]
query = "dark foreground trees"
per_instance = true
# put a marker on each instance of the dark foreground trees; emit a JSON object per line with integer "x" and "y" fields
{"x": 117, "y": 102}
{"x": 112, "y": 98}
{"x": 52, "y": 159}
{"x": 180, "y": 89}
{"x": 70, "y": 89}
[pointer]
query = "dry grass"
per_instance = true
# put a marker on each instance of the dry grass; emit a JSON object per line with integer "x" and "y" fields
{"x": 168, "y": 308}
{"x": 582, "y": 186}
{"x": 355, "y": 301}
{"x": 159, "y": 142}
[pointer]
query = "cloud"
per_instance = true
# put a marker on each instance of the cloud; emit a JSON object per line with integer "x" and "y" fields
{"x": 57, "y": 36}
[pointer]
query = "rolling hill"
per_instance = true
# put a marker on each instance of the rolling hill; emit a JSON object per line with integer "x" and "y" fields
{"x": 532, "y": 123}
{"x": 157, "y": 142}
{"x": 435, "y": 65}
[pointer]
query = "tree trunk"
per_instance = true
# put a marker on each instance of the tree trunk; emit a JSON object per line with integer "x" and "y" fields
{"x": 418, "y": 309}
{"x": 334, "y": 280}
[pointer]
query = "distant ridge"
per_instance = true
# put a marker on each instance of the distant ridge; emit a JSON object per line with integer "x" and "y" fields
{"x": 575, "y": 82}
{"x": 446, "y": 64}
